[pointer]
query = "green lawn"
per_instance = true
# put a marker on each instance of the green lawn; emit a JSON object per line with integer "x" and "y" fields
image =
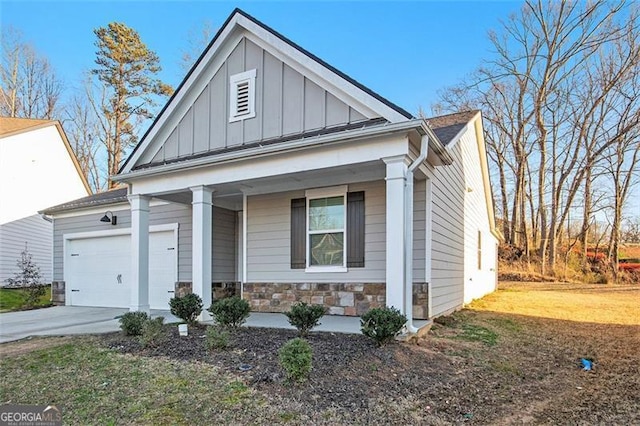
{"x": 13, "y": 299}
{"x": 93, "y": 385}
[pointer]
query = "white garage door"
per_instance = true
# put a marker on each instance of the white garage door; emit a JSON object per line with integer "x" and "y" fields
{"x": 98, "y": 270}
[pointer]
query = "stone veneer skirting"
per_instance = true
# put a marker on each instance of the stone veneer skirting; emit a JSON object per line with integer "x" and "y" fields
{"x": 58, "y": 292}
{"x": 350, "y": 299}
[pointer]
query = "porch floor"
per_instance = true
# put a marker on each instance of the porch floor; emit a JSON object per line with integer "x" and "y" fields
{"x": 330, "y": 323}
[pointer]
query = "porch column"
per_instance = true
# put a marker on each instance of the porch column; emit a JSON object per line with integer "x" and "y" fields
{"x": 395, "y": 232}
{"x": 202, "y": 216}
{"x": 139, "y": 252}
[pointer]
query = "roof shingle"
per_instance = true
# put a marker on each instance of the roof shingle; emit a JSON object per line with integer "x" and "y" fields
{"x": 446, "y": 127}
{"x": 10, "y": 125}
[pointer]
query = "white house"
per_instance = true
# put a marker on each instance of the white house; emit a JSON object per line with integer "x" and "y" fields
{"x": 273, "y": 175}
{"x": 37, "y": 169}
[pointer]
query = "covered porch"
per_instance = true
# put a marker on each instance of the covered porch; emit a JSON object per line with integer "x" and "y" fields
{"x": 265, "y": 186}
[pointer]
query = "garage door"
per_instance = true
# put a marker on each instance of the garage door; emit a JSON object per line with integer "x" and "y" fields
{"x": 98, "y": 270}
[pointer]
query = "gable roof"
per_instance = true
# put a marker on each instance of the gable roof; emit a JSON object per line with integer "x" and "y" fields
{"x": 447, "y": 127}
{"x": 244, "y": 21}
{"x": 10, "y": 126}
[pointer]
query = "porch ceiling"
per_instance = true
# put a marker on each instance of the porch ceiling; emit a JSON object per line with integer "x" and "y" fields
{"x": 229, "y": 195}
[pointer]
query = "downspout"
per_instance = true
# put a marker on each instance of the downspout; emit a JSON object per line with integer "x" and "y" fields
{"x": 408, "y": 233}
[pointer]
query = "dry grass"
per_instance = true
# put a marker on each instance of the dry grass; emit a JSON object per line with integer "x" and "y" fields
{"x": 602, "y": 304}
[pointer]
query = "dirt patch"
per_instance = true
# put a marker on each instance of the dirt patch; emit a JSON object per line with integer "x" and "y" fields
{"x": 30, "y": 344}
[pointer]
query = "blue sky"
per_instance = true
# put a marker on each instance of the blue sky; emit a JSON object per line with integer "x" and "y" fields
{"x": 406, "y": 51}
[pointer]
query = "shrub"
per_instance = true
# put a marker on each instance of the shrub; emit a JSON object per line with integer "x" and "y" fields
{"x": 216, "y": 338}
{"x": 29, "y": 278}
{"x": 131, "y": 323}
{"x": 304, "y": 317}
{"x": 295, "y": 358}
{"x": 152, "y": 334}
{"x": 382, "y": 324}
{"x": 187, "y": 307}
{"x": 230, "y": 311}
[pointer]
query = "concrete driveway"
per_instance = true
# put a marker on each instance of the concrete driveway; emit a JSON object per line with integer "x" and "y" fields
{"x": 62, "y": 321}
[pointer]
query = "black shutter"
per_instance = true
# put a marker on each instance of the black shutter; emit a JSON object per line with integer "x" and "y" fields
{"x": 355, "y": 229}
{"x": 298, "y": 233}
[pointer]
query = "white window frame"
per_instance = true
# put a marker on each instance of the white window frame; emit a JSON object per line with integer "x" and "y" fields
{"x": 234, "y": 81}
{"x": 312, "y": 194}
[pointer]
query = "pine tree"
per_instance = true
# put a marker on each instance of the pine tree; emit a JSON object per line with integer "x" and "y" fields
{"x": 128, "y": 71}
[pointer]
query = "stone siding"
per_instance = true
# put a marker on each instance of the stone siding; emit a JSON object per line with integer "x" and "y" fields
{"x": 219, "y": 290}
{"x": 58, "y": 296}
{"x": 350, "y": 299}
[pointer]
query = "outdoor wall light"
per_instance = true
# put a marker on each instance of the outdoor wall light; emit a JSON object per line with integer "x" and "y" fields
{"x": 113, "y": 220}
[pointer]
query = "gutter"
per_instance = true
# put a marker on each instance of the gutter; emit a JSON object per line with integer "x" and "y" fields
{"x": 408, "y": 233}
{"x": 417, "y": 124}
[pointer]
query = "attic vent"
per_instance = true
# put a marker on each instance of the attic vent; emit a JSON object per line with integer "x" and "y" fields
{"x": 242, "y": 96}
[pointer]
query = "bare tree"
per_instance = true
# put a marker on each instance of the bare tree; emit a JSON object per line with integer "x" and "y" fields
{"x": 84, "y": 129}
{"x": 197, "y": 41}
{"x": 30, "y": 86}
{"x": 553, "y": 97}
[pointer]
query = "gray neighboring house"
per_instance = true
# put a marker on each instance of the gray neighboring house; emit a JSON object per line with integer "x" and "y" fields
{"x": 272, "y": 175}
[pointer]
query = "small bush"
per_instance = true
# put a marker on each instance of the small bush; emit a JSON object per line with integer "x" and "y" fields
{"x": 230, "y": 311}
{"x": 382, "y": 324}
{"x": 187, "y": 307}
{"x": 216, "y": 338}
{"x": 152, "y": 334}
{"x": 295, "y": 358}
{"x": 304, "y": 317}
{"x": 131, "y": 323}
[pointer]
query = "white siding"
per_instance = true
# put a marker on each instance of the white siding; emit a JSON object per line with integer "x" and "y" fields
{"x": 419, "y": 205}
{"x": 478, "y": 282}
{"x": 36, "y": 172}
{"x": 32, "y": 232}
{"x": 447, "y": 270}
{"x": 269, "y": 239}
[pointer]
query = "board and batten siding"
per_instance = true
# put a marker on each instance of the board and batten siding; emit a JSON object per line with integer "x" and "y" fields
{"x": 478, "y": 281}
{"x": 33, "y": 233}
{"x": 286, "y": 103}
{"x": 447, "y": 246}
{"x": 269, "y": 238}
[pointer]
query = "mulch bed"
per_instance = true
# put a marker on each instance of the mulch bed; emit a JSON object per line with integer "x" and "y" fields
{"x": 349, "y": 371}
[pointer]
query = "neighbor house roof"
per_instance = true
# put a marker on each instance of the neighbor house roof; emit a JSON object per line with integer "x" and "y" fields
{"x": 102, "y": 198}
{"x": 12, "y": 125}
{"x": 447, "y": 127}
